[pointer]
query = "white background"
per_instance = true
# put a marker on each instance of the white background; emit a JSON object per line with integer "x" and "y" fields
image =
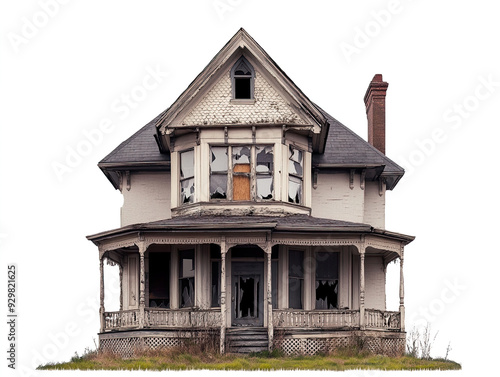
{"x": 64, "y": 67}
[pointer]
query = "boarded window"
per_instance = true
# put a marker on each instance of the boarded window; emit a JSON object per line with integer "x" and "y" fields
{"x": 186, "y": 278}
{"x": 241, "y": 173}
{"x": 296, "y": 279}
{"x": 327, "y": 280}
{"x": 295, "y": 175}
{"x": 187, "y": 176}
{"x": 159, "y": 280}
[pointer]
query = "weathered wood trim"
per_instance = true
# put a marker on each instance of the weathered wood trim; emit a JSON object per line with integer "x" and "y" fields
{"x": 362, "y": 287}
{"x": 223, "y": 310}
{"x": 101, "y": 293}
{"x": 268, "y": 251}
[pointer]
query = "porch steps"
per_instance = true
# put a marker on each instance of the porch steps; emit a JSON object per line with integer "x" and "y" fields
{"x": 246, "y": 339}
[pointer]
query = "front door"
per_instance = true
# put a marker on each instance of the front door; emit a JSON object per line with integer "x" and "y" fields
{"x": 247, "y": 303}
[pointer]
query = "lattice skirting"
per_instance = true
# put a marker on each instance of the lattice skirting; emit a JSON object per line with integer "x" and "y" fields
{"x": 391, "y": 344}
{"x": 129, "y": 344}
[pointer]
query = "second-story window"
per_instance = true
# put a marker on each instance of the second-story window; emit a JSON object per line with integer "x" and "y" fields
{"x": 241, "y": 172}
{"x": 187, "y": 176}
{"x": 295, "y": 174}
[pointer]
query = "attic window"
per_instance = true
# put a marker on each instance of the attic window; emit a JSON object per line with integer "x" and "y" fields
{"x": 242, "y": 79}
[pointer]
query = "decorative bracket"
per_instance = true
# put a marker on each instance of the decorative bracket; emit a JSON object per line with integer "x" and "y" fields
{"x": 225, "y": 135}
{"x": 362, "y": 181}
{"x": 253, "y": 135}
{"x": 283, "y": 131}
{"x": 315, "y": 178}
{"x": 197, "y": 135}
{"x": 351, "y": 179}
{"x": 381, "y": 183}
{"x": 127, "y": 176}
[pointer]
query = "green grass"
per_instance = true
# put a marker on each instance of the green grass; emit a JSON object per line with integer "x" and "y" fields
{"x": 185, "y": 359}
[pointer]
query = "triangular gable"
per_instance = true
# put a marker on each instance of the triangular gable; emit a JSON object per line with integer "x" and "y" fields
{"x": 296, "y": 107}
{"x": 269, "y": 107}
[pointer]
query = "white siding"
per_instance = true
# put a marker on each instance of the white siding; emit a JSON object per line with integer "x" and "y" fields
{"x": 374, "y": 283}
{"x": 374, "y": 205}
{"x": 148, "y": 198}
{"x": 334, "y": 199}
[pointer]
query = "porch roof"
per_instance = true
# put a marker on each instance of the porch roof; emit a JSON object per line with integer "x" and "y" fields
{"x": 290, "y": 223}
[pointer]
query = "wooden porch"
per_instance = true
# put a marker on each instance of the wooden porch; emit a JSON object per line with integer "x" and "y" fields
{"x": 158, "y": 318}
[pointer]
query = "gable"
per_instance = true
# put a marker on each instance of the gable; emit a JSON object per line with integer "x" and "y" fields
{"x": 217, "y": 106}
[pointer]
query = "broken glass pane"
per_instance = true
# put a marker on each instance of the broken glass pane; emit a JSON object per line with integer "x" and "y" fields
{"x": 218, "y": 186}
{"x": 326, "y": 294}
{"x": 218, "y": 162}
{"x": 294, "y": 190}
{"x": 187, "y": 164}
{"x": 295, "y": 161}
{"x": 187, "y": 292}
{"x": 241, "y": 155}
{"x": 186, "y": 263}
{"x": 264, "y": 159}
{"x": 264, "y": 187}
{"x": 187, "y": 191}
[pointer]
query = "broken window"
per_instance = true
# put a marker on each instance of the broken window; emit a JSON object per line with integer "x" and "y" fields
{"x": 296, "y": 279}
{"x": 327, "y": 280}
{"x": 295, "y": 174}
{"x": 186, "y": 278}
{"x": 159, "y": 280}
{"x": 264, "y": 172}
{"x": 187, "y": 176}
{"x": 245, "y": 167}
{"x": 218, "y": 173}
{"x": 242, "y": 77}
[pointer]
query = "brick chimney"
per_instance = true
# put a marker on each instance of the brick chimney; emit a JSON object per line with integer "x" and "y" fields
{"x": 375, "y": 112}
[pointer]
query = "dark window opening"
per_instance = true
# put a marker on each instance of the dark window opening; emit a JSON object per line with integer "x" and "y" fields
{"x": 242, "y": 89}
{"x": 327, "y": 272}
{"x": 296, "y": 279}
{"x": 215, "y": 284}
{"x": 159, "y": 280}
{"x": 247, "y": 297}
{"x": 186, "y": 278}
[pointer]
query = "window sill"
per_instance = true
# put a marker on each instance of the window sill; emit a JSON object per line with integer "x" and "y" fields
{"x": 242, "y": 101}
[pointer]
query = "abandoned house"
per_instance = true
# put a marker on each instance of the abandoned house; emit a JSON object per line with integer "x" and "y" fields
{"x": 252, "y": 215}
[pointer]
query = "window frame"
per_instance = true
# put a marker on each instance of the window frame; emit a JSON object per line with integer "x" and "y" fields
{"x": 299, "y": 279}
{"x": 183, "y": 179}
{"x": 180, "y": 276}
{"x": 253, "y": 174}
{"x": 299, "y": 177}
{"x": 235, "y": 77}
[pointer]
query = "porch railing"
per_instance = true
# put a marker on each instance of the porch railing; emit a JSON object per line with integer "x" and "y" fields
{"x": 156, "y": 317}
{"x": 378, "y": 319}
{"x": 315, "y": 318}
{"x": 121, "y": 319}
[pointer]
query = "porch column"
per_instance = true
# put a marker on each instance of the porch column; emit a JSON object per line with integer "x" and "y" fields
{"x": 401, "y": 291}
{"x": 269, "y": 296}
{"x": 142, "y": 286}
{"x": 120, "y": 267}
{"x": 362, "y": 287}
{"x": 223, "y": 252}
{"x": 101, "y": 307}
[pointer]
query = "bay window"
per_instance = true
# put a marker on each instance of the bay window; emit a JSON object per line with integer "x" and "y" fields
{"x": 241, "y": 172}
